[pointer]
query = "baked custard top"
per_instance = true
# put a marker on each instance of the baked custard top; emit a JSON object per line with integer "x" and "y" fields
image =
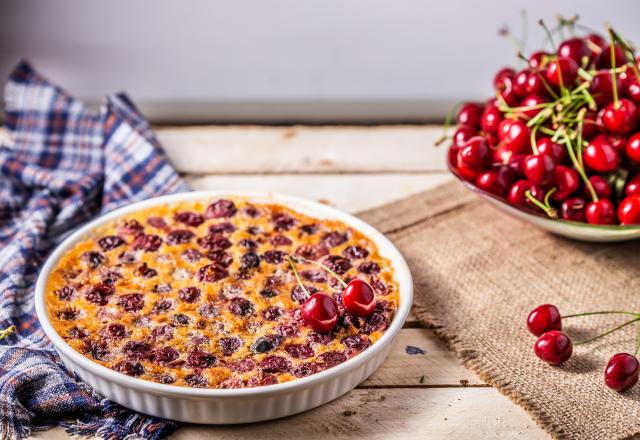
{"x": 202, "y": 295}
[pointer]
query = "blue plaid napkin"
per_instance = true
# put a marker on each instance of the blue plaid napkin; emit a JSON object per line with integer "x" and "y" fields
{"x": 63, "y": 165}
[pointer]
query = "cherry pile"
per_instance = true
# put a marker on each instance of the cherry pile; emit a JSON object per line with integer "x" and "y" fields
{"x": 555, "y": 347}
{"x": 562, "y": 135}
{"x": 320, "y": 311}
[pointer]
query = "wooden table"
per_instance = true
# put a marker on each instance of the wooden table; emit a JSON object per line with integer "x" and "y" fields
{"x": 352, "y": 168}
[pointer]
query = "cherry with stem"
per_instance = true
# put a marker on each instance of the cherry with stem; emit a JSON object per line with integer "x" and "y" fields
{"x": 319, "y": 311}
{"x": 358, "y": 297}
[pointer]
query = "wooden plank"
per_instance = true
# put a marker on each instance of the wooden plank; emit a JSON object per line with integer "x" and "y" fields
{"x": 349, "y": 192}
{"x": 303, "y": 149}
{"x": 479, "y": 413}
{"x": 384, "y": 414}
{"x": 437, "y": 367}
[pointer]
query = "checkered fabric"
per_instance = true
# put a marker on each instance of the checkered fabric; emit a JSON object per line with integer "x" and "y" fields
{"x": 63, "y": 165}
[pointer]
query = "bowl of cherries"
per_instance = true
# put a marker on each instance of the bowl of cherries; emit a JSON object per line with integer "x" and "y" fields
{"x": 559, "y": 144}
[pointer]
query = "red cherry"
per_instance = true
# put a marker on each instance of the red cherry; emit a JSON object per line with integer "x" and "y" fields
{"x": 463, "y": 135}
{"x": 520, "y": 82}
{"x": 488, "y": 181}
{"x": 601, "y": 212}
{"x": 474, "y": 154}
{"x": 537, "y": 59}
{"x": 629, "y": 210}
{"x": 535, "y": 85}
{"x": 600, "y": 186}
{"x": 503, "y": 128}
{"x": 561, "y": 71}
{"x": 546, "y": 146}
{"x": 596, "y": 40}
{"x": 358, "y": 298}
{"x": 621, "y": 372}
{"x": 590, "y": 127}
{"x": 492, "y": 139}
{"x": 553, "y": 347}
{"x": 604, "y": 58}
{"x": 573, "y": 209}
{"x": 602, "y": 87}
{"x": 320, "y": 312}
{"x": 517, "y": 193}
{"x": 453, "y": 155}
{"x": 617, "y": 142}
{"x": 532, "y": 101}
{"x": 543, "y": 319}
{"x": 539, "y": 168}
{"x": 567, "y": 182}
{"x": 468, "y": 173}
{"x": 576, "y": 49}
{"x": 491, "y": 120}
{"x": 620, "y": 119}
{"x": 491, "y": 102}
{"x": 469, "y": 115}
{"x": 601, "y": 156}
{"x": 502, "y": 155}
{"x": 505, "y": 156}
{"x": 632, "y": 89}
{"x": 506, "y": 90}
{"x": 633, "y": 186}
{"x": 516, "y": 163}
{"x": 505, "y": 72}
{"x": 514, "y": 134}
{"x": 625, "y": 77}
{"x": 633, "y": 148}
{"x": 495, "y": 181}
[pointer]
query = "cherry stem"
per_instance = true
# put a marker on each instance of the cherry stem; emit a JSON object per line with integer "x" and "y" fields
{"x": 628, "y": 52}
{"x": 602, "y": 312}
{"x": 584, "y": 74}
{"x": 608, "y": 332}
{"x": 447, "y": 124}
{"x": 317, "y": 263}
{"x": 551, "y": 212}
{"x": 295, "y": 272}
{"x": 534, "y": 143}
{"x": 7, "y": 331}
{"x": 548, "y": 195}
{"x": 579, "y": 168}
{"x": 580, "y": 140}
{"x": 614, "y": 86}
{"x": 635, "y": 353}
{"x": 548, "y": 32}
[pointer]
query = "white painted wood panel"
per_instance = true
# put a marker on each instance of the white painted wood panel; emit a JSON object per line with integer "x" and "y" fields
{"x": 349, "y": 192}
{"x": 298, "y": 149}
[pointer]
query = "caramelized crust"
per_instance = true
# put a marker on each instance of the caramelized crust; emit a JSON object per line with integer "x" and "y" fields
{"x": 202, "y": 295}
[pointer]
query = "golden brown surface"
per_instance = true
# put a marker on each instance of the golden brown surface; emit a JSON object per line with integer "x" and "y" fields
{"x": 227, "y": 319}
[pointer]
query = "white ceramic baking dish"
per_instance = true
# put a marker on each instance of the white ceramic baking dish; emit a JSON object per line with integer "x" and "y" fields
{"x": 223, "y": 406}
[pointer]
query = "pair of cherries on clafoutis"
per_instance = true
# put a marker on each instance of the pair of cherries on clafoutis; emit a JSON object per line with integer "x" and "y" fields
{"x": 320, "y": 311}
{"x": 555, "y": 347}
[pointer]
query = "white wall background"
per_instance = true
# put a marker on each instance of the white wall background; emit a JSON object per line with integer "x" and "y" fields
{"x": 283, "y": 60}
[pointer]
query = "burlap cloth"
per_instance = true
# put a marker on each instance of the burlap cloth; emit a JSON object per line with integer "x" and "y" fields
{"x": 477, "y": 274}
